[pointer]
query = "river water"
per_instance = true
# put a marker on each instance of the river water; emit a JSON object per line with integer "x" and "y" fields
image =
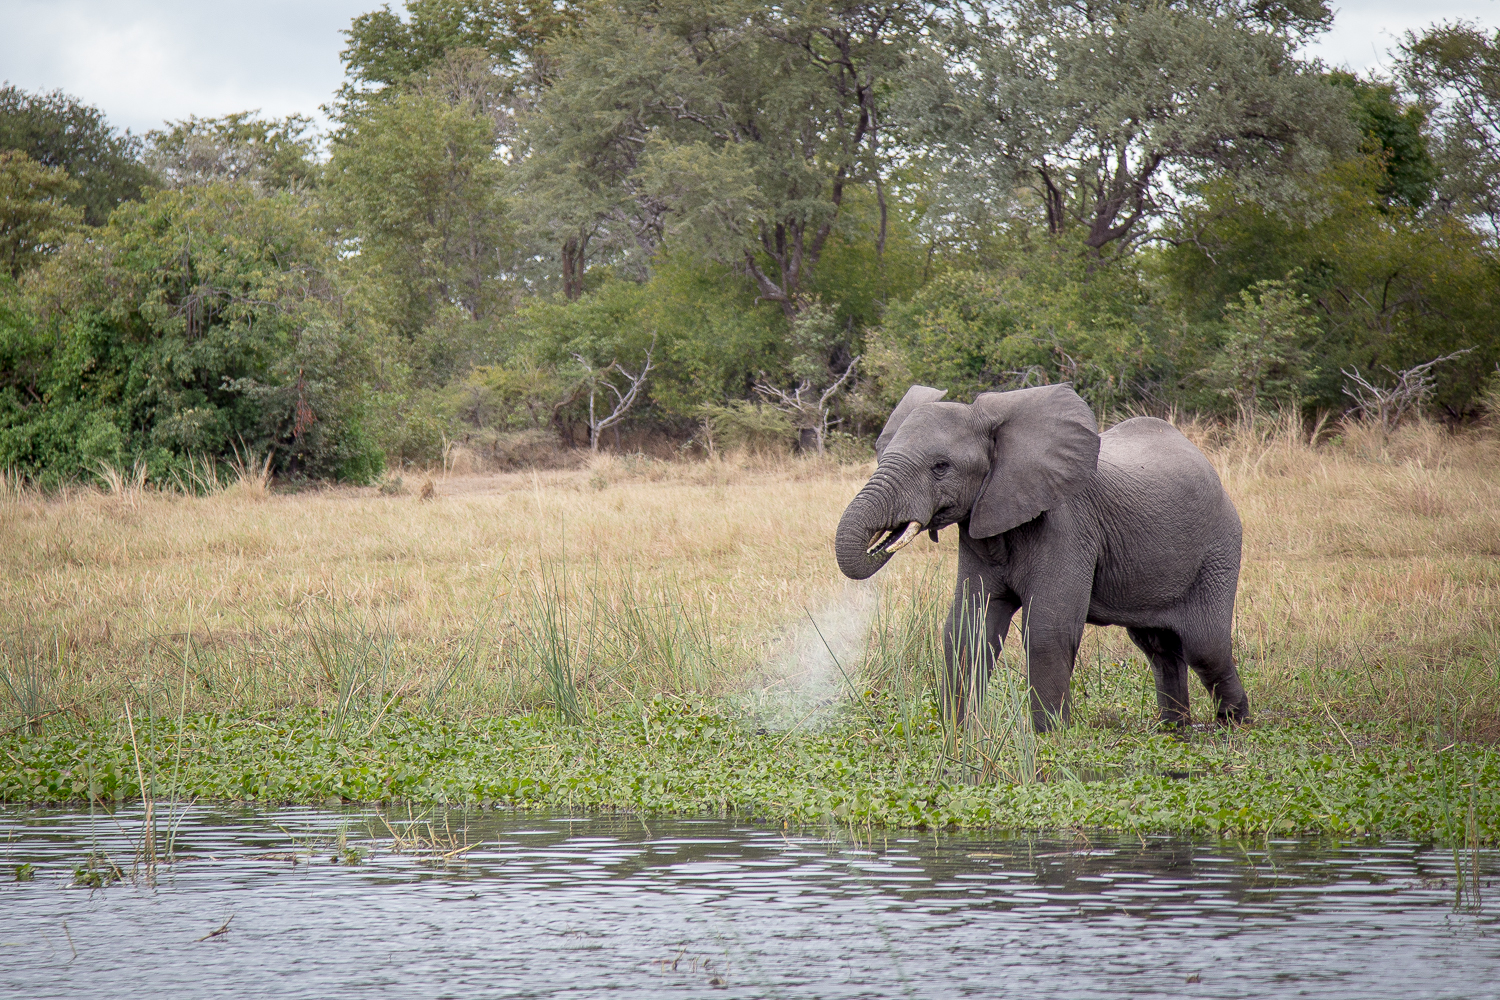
{"x": 523, "y": 905}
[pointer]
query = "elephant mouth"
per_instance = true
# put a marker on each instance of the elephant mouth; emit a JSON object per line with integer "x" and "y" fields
{"x": 889, "y": 540}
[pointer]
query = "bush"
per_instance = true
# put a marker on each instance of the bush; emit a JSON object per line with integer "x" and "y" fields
{"x": 754, "y": 427}
{"x": 194, "y": 323}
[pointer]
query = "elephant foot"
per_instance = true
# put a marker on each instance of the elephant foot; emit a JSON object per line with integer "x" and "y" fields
{"x": 1178, "y": 729}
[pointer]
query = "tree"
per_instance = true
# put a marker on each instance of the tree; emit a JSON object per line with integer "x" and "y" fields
{"x": 597, "y": 382}
{"x": 385, "y": 54}
{"x": 1100, "y": 115}
{"x": 1393, "y": 130}
{"x": 1454, "y": 71}
{"x": 415, "y": 187}
{"x": 34, "y": 215}
{"x": 602, "y": 347}
{"x": 1263, "y": 354}
{"x": 734, "y": 128}
{"x": 56, "y": 130}
{"x": 1043, "y": 312}
{"x": 1390, "y": 289}
{"x": 820, "y": 369}
{"x": 267, "y": 154}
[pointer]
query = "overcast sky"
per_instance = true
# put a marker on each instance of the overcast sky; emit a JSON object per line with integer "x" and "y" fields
{"x": 145, "y": 61}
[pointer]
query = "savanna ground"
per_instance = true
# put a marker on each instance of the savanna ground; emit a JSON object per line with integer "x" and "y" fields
{"x": 640, "y": 635}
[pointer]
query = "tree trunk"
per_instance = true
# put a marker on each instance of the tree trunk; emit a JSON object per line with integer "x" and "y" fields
{"x": 572, "y": 269}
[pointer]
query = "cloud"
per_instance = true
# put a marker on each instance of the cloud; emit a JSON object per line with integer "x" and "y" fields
{"x": 1364, "y": 32}
{"x": 143, "y": 63}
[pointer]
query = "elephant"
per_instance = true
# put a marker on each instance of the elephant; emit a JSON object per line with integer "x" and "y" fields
{"x": 1069, "y": 526}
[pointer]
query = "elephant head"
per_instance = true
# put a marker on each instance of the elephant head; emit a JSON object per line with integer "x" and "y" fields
{"x": 996, "y": 463}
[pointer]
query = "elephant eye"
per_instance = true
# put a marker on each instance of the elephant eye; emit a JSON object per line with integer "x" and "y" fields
{"x": 941, "y": 469}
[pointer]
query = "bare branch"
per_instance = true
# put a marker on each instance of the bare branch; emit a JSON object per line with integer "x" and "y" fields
{"x": 623, "y": 400}
{"x": 799, "y": 404}
{"x": 1414, "y": 386}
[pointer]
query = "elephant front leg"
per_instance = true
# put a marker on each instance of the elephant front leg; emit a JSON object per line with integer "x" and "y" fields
{"x": 1052, "y": 628}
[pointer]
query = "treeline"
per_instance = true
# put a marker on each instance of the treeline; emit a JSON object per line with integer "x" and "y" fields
{"x": 723, "y": 222}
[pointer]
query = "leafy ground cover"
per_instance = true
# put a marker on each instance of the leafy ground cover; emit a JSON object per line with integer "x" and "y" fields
{"x": 861, "y": 768}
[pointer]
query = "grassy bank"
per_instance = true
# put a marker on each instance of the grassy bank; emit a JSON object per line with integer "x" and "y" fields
{"x": 656, "y": 636}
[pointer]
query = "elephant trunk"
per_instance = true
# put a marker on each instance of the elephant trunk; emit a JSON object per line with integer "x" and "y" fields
{"x": 874, "y": 526}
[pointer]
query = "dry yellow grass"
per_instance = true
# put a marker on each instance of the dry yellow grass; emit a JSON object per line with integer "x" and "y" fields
{"x": 1371, "y": 583}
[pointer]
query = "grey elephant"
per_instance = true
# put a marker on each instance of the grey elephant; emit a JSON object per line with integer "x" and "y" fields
{"x": 1130, "y": 527}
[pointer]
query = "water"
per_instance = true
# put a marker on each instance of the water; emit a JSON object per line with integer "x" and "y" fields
{"x": 582, "y": 907}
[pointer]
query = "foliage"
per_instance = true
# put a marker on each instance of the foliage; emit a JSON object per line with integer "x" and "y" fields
{"x": 1390, "y": 289}
{"x": 820, "y": 368}
{"x": 385, "y": 53}
{"x": 869, "y": 769}
{"x": 811, "y": 203}
{"x": 1394, "y": 131}
{"x": 729, "y": 128}
{"x": 1094, "y": 116}
{"x": 1262, "y": 359}
{"x": 754, "y": 427}
{"x": 192, "y": 323}
{"x": 710, "y": 343}
{"x": 414, "y": 186}
{"x": 56, "y": 130}
{"x": 1454, "y": 70}
{"x": 34, "y": 214}
{"x": 1045, "y": 316}
{"x": 266, "y": 154}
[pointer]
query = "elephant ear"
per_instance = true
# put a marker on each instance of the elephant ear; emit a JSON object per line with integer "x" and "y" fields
{"x": 915, "y": 397}
{"x": 1045, "y": 447}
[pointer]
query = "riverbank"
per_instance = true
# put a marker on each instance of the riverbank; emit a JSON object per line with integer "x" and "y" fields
{"x": 533, "y": 640}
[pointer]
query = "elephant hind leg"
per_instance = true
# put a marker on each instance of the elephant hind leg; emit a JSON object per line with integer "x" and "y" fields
{"x": 1213, "y": 662}
{"x": 1163, "y": 647}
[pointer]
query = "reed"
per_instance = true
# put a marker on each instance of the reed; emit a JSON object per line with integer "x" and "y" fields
{"x": 29, "y": 679}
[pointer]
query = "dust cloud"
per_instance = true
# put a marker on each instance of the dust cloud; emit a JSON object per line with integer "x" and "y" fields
{"x": 812, "y": 664}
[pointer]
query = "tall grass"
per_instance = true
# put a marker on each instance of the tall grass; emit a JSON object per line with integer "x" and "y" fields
{"x": 29, "y": 679}
{"x": 1370, "y": 589}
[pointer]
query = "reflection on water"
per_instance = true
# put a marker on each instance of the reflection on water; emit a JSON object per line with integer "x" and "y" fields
{"x": 567, "y": 906}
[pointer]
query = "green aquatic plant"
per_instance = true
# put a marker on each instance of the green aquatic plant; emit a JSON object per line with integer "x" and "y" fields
{"x": 97, "y": 871}
{"x": 688, "y": 756}
{"x": 29, "y": 678}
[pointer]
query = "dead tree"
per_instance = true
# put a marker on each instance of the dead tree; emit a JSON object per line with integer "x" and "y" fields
{"x": 597, "y": 378}
{"x": 807, "y": 407}
{"x": 1414, "y": 386}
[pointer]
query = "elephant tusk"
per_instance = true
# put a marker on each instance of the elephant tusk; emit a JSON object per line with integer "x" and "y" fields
{"x": 912, "y": 530}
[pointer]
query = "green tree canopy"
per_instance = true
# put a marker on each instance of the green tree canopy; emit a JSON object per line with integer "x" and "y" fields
{"x": 416, "y": 189}
{"x": 1454, "y": 70}
{"x": 386, "y": 53}
{"x": 191, "y": 323}
{"x": 1394, "y": 130}
{"x": 56, "y": 130}
{"x": 267, "y": 154}
{"x": 34, "y": 214}
{"x": 1098, "y": 116}
{"x": 731, "y": 128}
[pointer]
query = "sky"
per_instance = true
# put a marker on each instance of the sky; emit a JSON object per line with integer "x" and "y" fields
{"x": 143, "y": 62}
